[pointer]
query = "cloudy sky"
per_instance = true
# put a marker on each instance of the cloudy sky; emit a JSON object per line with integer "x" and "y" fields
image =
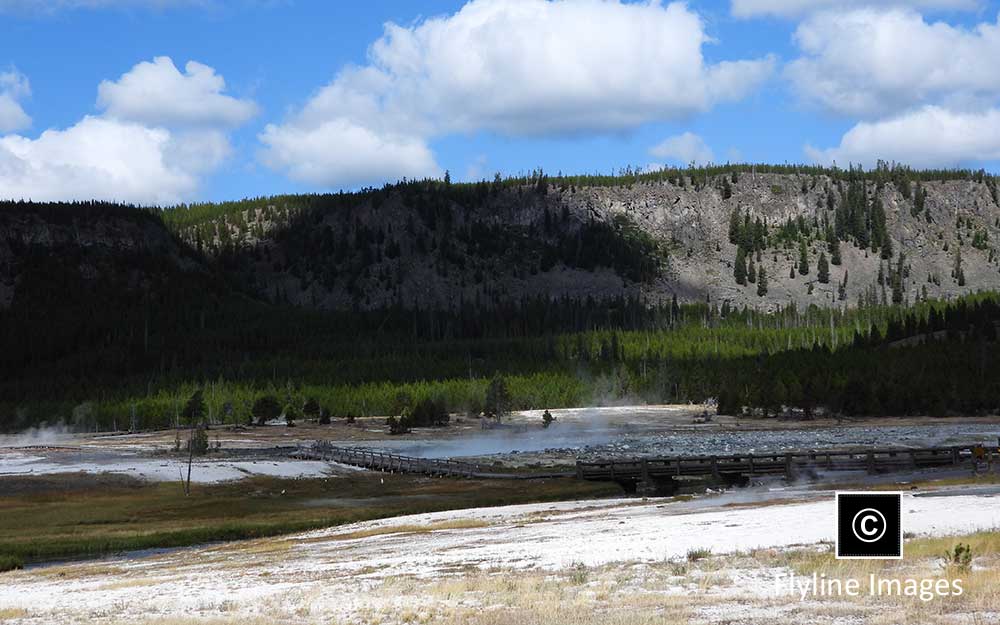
{"x": 164, "y": 101}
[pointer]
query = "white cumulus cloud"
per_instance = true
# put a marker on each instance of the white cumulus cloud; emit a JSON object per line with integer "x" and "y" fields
{"x": 13, "y": 87}
{"x": 95, "y": 158}
{"x": 872, "y": 62}
{"x": 339, "y": 152}
{"x": 931, "y": 136}
{"x": 157, "y": 93}
{"x": 515, "y": 67}
{"x": 798, "y": 8}
{"x": 151, "y": 145}
{"x": 685, "y": 148}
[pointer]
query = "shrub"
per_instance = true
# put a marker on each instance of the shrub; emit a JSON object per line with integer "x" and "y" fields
{"x": 198, "y": 443}
{"x": 693, "y": 555}
{"x": 291, "y": 413}
{"x": 960, "y": 557}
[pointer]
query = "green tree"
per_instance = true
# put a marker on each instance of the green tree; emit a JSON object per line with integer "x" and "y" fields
{"x": 265, "y": 409}
{"x": 886, "y": 248}
{"x": 194, "y": 408}
{"x": 762, "y": 282}
{"x": 740, "y": 268}
{"x": 498, "y": 400}
{"x": 735, "y": 227}
{"x": 311, "y": 409}
{"x": 897, "y": 287}
{"x": 292, "y": 414}
{"x": 397, "y": 426}
{"x": 429, "y": 413}
{"x": 823, "y": 269}
{"x": 803, "y": 258}
{"x": 751, "y": 272}
{"x": 835, "y": 253}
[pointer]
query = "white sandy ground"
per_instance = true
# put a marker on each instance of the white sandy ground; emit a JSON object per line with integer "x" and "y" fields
{"x": 325, "y": 573}
{"x": 165, "y": 469}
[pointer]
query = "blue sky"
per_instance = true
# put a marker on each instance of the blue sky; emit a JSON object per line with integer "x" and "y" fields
{"x": 97, "y": 98}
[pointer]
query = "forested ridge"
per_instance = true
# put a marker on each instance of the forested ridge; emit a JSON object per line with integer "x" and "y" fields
{"x": 114, "y": 314}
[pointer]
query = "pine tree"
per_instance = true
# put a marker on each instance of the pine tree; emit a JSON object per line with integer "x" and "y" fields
{"x": 919, "y": 199}
{"x": 735, "y": 227}
{"x": 823, "y": 269}
{"x": 886, "y": 248}
{"x": 759, "y": 235}
{"x": 762, "y": 282}
{"x": 958, "y": 273}
{"x": 879, "y": 235}
{"x": 897, "y": 288}
{"x": 752, "y": 272}
{"x": 791, "y": 272}
{"x": 835, "y": 253}
{"x": 740, "y": 269}
{"x": 194, "y": 409}
{"x": 803, "y": 258}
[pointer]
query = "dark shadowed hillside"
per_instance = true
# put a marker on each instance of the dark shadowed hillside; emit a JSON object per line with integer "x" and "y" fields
{"x": 824, "y": 237}
{"x": 756, "y": 286}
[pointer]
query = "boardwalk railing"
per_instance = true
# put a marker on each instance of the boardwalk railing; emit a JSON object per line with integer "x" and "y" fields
{"x": 396, "y": 463}
{"x": 729, "y": 468}
{"x": 788, "y": 464}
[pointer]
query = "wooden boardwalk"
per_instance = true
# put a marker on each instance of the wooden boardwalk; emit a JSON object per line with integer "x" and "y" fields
{"x": 396, "y": 463}
{"x": 662, "y": 474}
{"x": 743, "y": 467}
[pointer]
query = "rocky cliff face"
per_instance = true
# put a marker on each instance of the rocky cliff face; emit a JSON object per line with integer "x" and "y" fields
{"x": 660, "y": 239}
{"x": 439, "y": 246}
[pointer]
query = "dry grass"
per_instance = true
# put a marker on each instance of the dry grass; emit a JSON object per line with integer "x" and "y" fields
{"x": 924, "y": 559}
{"x": 708, "y": 590}
{"x": 383, "y": 530}
{"x": 7, "y": 614}
{"x": 575, "y": 595}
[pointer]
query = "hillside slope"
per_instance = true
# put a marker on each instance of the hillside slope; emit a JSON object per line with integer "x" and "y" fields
{"x": 432, "y": 244}
{"x": 76, "y": 276}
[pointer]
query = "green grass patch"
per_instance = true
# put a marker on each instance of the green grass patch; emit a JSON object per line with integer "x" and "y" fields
{"x": 82, "y": 522}
{"x": 10, "y": 562}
